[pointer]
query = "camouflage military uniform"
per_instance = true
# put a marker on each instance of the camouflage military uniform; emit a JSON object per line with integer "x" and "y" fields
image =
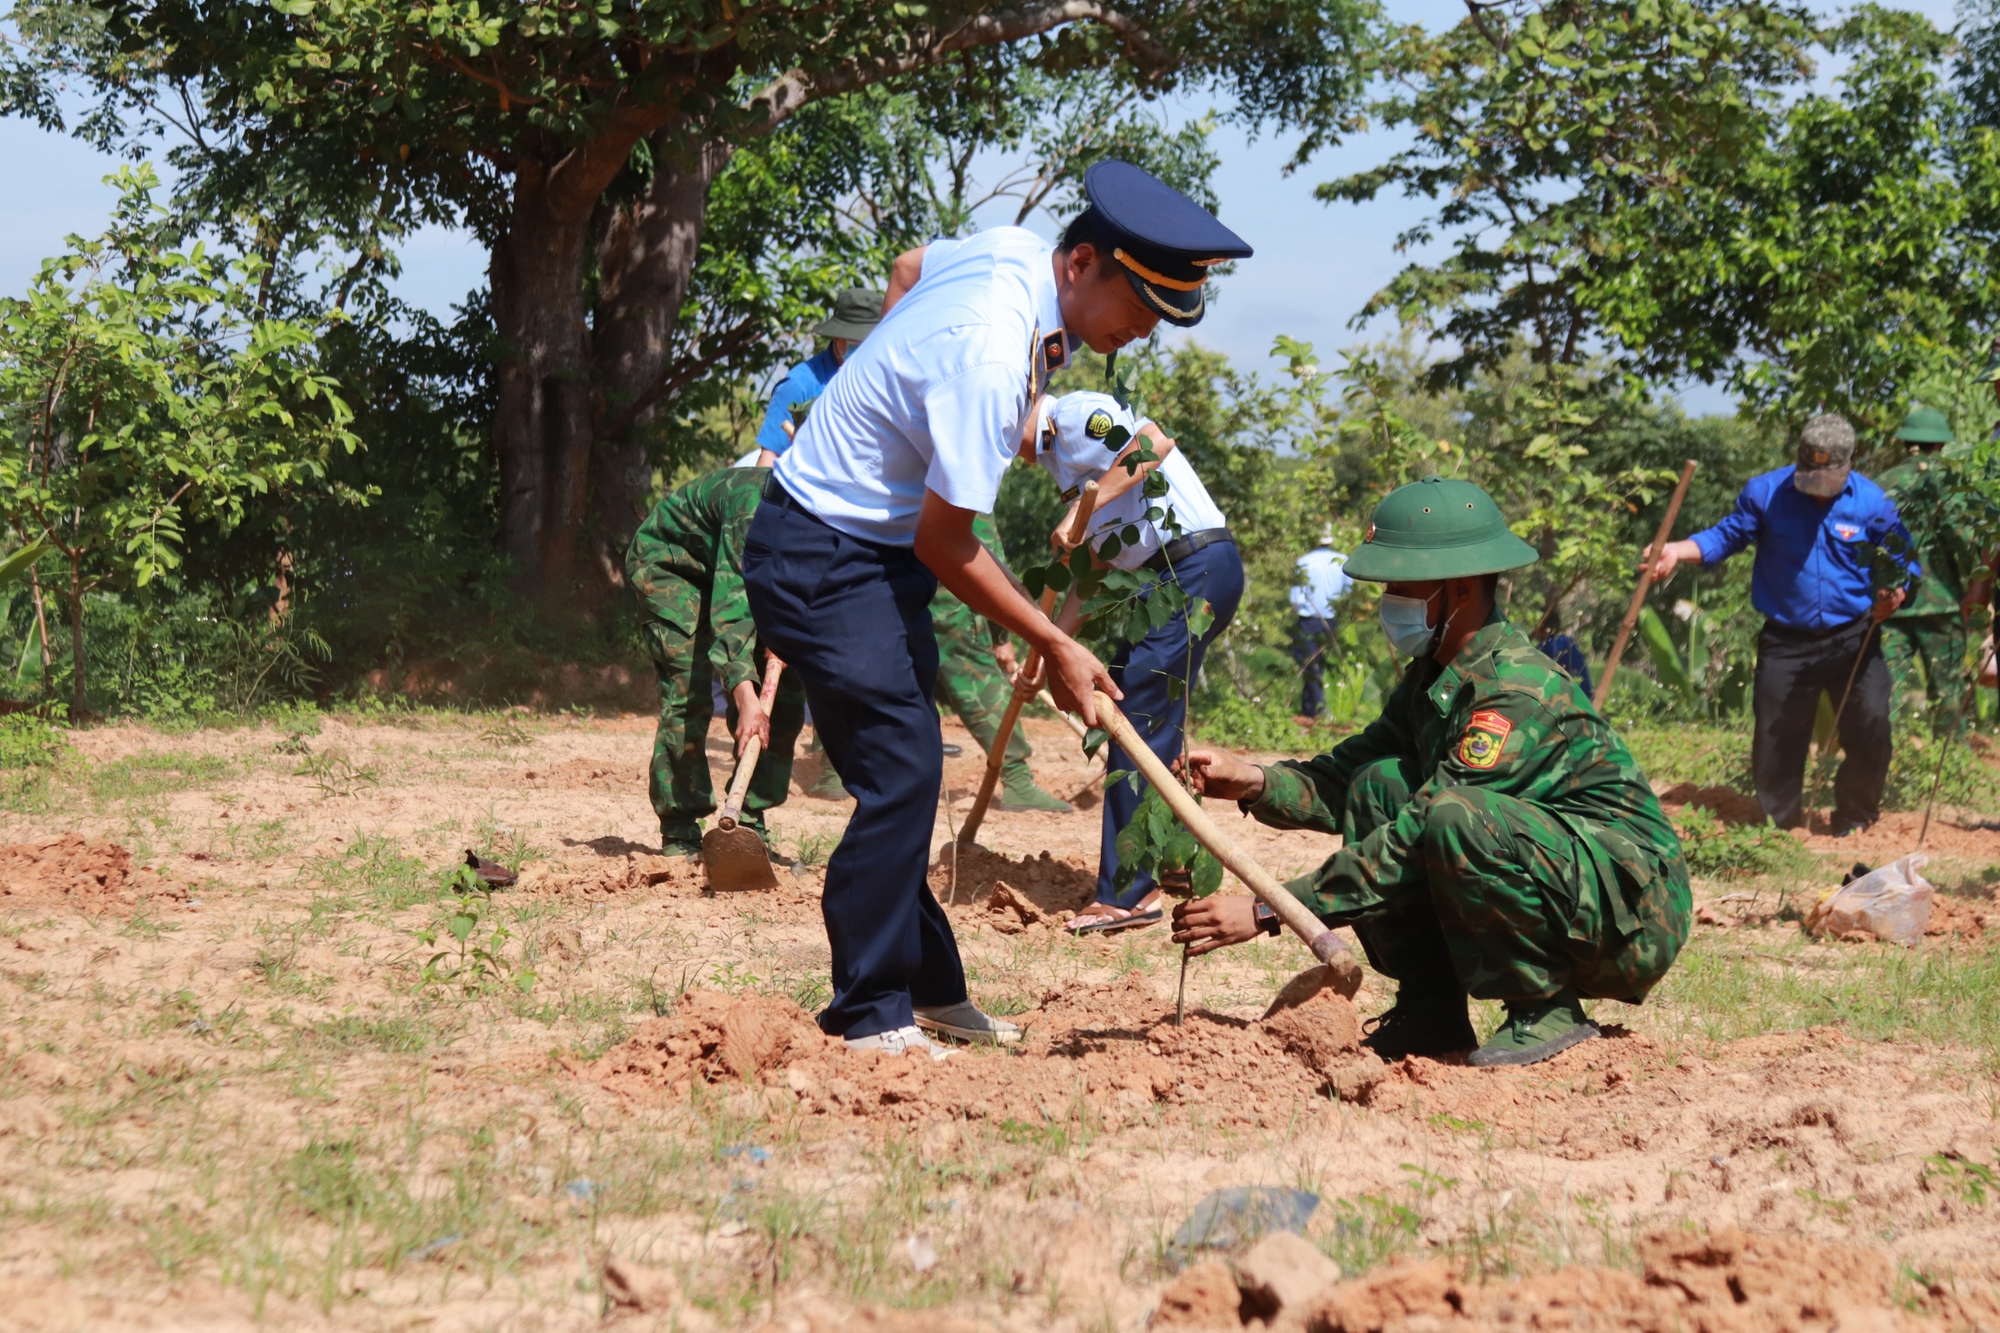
{"x": 1925, "y": 640}
{"x": 970, "y": 682}
{"x": 685, "y": 565}
{"x": 1498, "y": 833}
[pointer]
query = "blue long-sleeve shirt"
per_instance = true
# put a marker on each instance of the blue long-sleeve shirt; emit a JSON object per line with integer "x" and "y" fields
{"x": 806, "y": 381}
{"x": 1815, "y": 561}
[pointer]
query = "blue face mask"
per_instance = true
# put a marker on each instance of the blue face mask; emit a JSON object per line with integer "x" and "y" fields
{"x": 1407, "y": 622}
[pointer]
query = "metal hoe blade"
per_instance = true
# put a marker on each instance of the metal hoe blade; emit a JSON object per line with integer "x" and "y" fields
{"x": 736, "y": 860}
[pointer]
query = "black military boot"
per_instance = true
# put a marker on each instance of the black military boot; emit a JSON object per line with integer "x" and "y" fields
{"x": 1422, "y": 1023}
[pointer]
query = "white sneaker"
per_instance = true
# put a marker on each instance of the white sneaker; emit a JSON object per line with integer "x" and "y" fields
{"x": 965, "y": 1022}
{"x": 899, "y": 1041}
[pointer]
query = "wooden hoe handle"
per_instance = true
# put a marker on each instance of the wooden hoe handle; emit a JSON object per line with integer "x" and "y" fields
{"x": 746, "y": 763}
{"x": 996, "y": 755}
{"x": 1326, "y": 946}
{"x": 1645, "y": 582}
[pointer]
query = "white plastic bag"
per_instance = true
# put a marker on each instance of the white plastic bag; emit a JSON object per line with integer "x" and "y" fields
{"x": 1893, "y": 903}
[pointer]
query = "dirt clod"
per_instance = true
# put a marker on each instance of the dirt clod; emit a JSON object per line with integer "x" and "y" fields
{"x": 1053, "y": 888}
{"x": 1283, "y": 1272}
{"x": 1205, "y": 1296}
{"x": 1725, "y": 1282}
{"x": 72, "y": 871}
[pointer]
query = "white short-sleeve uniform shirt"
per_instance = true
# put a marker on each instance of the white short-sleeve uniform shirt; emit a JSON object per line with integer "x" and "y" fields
{"x": 935, "y": 398}
{"x": 1071, "y": 444}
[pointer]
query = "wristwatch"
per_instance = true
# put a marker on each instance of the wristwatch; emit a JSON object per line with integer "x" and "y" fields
{"x": 1267, "y": 920}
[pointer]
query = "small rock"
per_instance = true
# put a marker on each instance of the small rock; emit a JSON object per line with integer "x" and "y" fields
{"x": 1204, "y": 1296}
{"x": 636, "y": 1287}
{"x": 1283, "y": 1272}
{"x": 921, "y": 1253}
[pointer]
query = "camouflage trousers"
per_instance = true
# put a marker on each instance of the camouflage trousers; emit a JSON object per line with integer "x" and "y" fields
{"x": 678, "y": 780}
{"x": 1511, "y": 905}
{"x": 969, "y": 681}
{"x": 1926, "y": 662}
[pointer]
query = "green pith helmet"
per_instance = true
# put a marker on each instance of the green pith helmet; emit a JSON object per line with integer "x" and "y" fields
{"x": 856, "y": 312}
{"x": 1925, "y": 425}
{"x": 1437, "y": 528}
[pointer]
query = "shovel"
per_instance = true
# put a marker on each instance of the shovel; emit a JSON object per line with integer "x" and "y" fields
{"x": 733, "y": 855}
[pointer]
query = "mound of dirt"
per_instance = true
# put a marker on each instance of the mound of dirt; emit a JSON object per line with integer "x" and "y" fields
{"x": 1962, "y": 919}
{"x": 72, "y": 871}
{"x": 1108, "y": 1052}
{"x": 1724, "y": 1282}
{"x": 1038, "y": 890}
{"x": 590, "y": 773}
{"x": 612, "y": 876}
{"x": 1725, "y": 803}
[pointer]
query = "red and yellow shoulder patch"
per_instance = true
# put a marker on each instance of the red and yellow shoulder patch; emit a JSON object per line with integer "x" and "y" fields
{"x": 1485, "y": 737}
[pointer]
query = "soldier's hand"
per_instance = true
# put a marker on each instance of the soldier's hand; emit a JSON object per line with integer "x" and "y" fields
{"x": 751, "y": 719}
{"x": 1887, "y": 602}
{"x": 1224, "y": 776}
{"x": 1009, "y": 666}
{"x": 1074, "y": 672}
{"x": 1215, "y": 922}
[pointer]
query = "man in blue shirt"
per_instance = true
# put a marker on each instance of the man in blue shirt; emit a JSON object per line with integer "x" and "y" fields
{"x": 856, "y": 312}
{"x": 1833, "y": 560}
{"x": 1322, "y": 581}
{"x": 872, "y": 507}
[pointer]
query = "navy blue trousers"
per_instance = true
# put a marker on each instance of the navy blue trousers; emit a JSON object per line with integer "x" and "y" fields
{"x": 1143, "y": 670}
{"x": 853, "y": 620}
{"x": 1310, "y": 636}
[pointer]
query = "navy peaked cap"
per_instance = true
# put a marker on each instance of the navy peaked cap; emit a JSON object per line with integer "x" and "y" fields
{"x": 1165, "y": 240}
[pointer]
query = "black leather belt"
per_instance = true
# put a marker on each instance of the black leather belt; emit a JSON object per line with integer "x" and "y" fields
{"x": 775, "y": 494}
{"x": 1181, "y": 548}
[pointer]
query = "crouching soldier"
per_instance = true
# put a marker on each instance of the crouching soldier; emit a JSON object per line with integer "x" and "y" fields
{"x": 1499, "y": 839}
{"x": 685, "y": 565}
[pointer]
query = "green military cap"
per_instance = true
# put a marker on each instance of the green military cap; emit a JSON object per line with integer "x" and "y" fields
{"x": 1925, "y": 425}
{"x": 856, "y": 312}
{"x": 1992, "y": 371}
{"x": 1437, "y": 528}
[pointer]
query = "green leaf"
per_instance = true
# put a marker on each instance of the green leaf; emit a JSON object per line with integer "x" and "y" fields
{"x": 1205, "y": 873}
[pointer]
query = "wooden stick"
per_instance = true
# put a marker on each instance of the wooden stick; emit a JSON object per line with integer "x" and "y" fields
{"x": 1645, "y": 582}
{"x": 1049, "y": 702}
{"x": 1086, "y": 504}
{"x": 1326, "y": 946}
{"x": 746, "y": 763}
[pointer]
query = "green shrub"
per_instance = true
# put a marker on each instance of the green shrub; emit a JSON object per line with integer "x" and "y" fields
{"x": 1704, "y": 756}
{"x": 28, "y": 741}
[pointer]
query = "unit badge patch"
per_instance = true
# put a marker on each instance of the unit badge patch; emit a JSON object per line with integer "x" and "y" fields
{"x": 1847, "y": 532}
{"x": 1485, "y": 737}
{"x": 1098, "y": 424}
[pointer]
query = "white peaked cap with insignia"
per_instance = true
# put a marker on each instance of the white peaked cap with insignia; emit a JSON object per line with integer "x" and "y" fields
{"x": 1074, "y": 436}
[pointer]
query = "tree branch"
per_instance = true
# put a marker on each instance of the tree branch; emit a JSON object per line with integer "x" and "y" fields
{"x": 781, "y": 98}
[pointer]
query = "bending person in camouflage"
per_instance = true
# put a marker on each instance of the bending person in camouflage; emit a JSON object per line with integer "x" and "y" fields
{"x": 973, "y": 682}
{"x": 1500, "y": 840}
{"x": 685, "y": 565}
{"x": 1924, "y": 638}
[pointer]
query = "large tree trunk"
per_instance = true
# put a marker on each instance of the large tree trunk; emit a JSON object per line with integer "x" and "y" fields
{"x": 645, "y": 260}
{"x": 541, "y": 421}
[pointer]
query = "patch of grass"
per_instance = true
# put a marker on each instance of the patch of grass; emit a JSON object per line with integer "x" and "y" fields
{"x": 154, "y": 773}
{"x": 335, "y": 774}
{"x": 1966, "y": 781}
{"x": 1723, "y": 988}
{"x": 1960, "y": 1177}
{"x": 812, "y": 849}
{"x": 1728, "y": 851}
{"x": 375, "y": 863}
{"x": 352, "y": 1032}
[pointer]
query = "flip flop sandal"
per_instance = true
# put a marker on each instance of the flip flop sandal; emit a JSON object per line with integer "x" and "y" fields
{"x": 1130, "y": 921}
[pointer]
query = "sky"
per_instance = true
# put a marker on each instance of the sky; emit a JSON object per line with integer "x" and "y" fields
{"x": 1316, "y": 264}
